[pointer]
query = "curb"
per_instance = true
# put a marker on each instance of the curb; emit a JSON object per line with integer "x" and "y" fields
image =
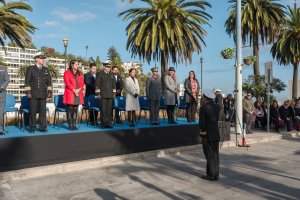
{"x": 121, "y": 159}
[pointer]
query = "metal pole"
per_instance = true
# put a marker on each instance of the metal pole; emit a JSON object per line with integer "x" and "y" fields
{"x": 239, "y": 74}
{"x": 201, "y": 61}
{"x": 65, "y": 58}
{"x": 268, "y": 101}
{"x": 86, "y": 49}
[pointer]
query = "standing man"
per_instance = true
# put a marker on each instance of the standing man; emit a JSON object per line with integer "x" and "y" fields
{"x": 105, "y": 91}
{"x": 90, "y": 82}
{"x": 119, "y": 88}
{"x": 38, "y": 87}
{"x": 208, "y": 123}
{"x": 248, "y": 109}
{"x": 153, "y": 93}
{"x": 4, "y": 80}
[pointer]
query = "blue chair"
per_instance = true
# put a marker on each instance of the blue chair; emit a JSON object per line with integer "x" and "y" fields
{"x": 9, "y": 108}
{"x": 85, "y": 110}
{"x": 181, "y": 105}
{"x": 59, "y": 107}
{"x": 162, "y": 106}
{"x": 144, "y": 106}
{"x": 25, "y": 109}
{"x": 120, "y": 104}
{"x": 94, "y": 105}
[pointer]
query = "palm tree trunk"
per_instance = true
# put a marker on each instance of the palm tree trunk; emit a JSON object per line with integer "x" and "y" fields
{"x": 164, "y": 66}
{"x": 256, "y": 63}
{"x": 295, "y": 81}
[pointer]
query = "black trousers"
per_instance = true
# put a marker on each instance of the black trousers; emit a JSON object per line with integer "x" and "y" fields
{"x": 191, "y": 110}
{"x": 106, "y": 111}
{"x": 38, "y": 105}
{"x": 170, "y": 112}
{"x": 154, "y": 111}
{"x": 211, "y": 152}
{"x": 93, "y": 116}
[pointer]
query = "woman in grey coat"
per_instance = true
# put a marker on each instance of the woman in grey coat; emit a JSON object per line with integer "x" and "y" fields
{"x": 171, "y": 92}
{"x": 132, "y": 92}
{"x": 191, "y": 91}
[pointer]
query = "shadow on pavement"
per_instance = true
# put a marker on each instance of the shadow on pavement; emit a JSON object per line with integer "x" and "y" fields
{"x": 108, "y": 195}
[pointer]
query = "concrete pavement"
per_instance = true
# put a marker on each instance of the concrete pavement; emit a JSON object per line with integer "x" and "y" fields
{"x": 267, "y": 170}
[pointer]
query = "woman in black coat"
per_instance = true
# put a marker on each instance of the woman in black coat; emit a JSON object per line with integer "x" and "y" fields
{"x": 191, "y": 91}
{"x": 274, "y": 115}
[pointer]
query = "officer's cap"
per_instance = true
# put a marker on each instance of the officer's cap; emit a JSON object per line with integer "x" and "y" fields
{"x": 154, "y": 69}
{"x": 39, "y": 55}
{"x": 107, "y": 63}
{"x": 217, "y": 90}
{"x": 171, "y": 69}
{"x": 209, "y": 94}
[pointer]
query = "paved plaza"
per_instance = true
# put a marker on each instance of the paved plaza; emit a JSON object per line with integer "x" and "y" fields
{"x": 268, "y": 170}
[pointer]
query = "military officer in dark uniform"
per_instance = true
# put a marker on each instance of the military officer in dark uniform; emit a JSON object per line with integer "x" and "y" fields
{"x": 4, "y": 80}
{"x": 105, "y": 91}
{"x": 208, "y": 123}
{"x": 119, "y": 88}
{"x": 38, "y": 87}
{"x": 90, "y": 82}
{"x": 153, "y": 93}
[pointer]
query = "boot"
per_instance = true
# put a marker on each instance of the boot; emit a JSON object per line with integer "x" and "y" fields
{"x": 69, "y": 118}
{"x": 169, "y": 116}
{"x": 74, "y": 117}
{"x": 172, "y": 117}
{"x": 133, "y": 118}
{"x": 129, "y": 118}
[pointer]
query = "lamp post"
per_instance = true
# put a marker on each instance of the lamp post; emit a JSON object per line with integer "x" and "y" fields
{"x": 66, "y": 42}
{"x": 86, "y": 49}
{"x": 201, "y": 61}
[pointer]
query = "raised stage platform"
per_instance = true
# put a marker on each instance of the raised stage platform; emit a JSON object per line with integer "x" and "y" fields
{"x": 20, "y": 149}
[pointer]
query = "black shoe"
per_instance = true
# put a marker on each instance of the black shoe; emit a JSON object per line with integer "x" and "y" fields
{"x": 31, "y": 130}
{"x": 169, "y": 122}
{"x": 109, "y": 126}
{"x": 1, "y": 133}
{"x": 119, "y": 121}
{"x": 173, "y": 122}
{"x": 43, "y": 130}
{"x": 216, "y": 178}
{"x": 209, "y": 178}
{"x": 156, "y": 123}
{"x": 189, "y": 121}
{"x": 74, "y": 127}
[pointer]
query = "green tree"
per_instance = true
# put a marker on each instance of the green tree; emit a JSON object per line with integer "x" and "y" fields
{"x": 166, "y": 30}
{"x": 287, "y": 48}
{"x": 261, "y": 21}
{"x": 2, "y": 62}
{"x": 14, "y": 26}
{"x": 98, "y": 63}
{"x": 114, "y": 56}
{"x": 260, "y": 90}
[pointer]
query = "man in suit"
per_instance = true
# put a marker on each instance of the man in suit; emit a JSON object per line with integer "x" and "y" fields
{"x": 119, "y": 88}
{"x": 105, "y": 91}
{"x": 90, "y": 81}
{"x": 153, "y": 93}
{"x": 4, "y": 80}
{"x": 209, "y": 131}
{"x": 38, "y": 87}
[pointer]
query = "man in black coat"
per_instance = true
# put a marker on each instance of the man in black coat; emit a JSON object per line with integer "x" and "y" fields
{"x": 208, "y": 124}
{"x": 90, "y": 82}
{"x": 105, "y": 91}
{"x": 119, "y": 88}
{"x": 38, "y": 87}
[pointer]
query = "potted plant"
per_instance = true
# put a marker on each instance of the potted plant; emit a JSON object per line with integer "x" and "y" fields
{"x": 227, "y": 53}
{"x": 248, "y": 60}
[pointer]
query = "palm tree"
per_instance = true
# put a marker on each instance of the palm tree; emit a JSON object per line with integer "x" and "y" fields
{"x": 166, "y": 30}
{"x": 287, "y": 48}
{"x": 261, "y": 20}
{"x": 14, "y": 26}
{"x": 2, "y": 62}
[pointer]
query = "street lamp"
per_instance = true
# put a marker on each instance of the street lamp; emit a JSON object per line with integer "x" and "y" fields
{"x": 201, "y": 61}
{"x": 86, "y": 49}
{"x": 66, "y": 42}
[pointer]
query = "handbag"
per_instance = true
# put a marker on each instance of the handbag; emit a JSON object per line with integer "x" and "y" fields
{"x": 281, "y": 122}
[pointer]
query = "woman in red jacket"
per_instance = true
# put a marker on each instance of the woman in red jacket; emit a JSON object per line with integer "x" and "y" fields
{"x": 74, "y": 92}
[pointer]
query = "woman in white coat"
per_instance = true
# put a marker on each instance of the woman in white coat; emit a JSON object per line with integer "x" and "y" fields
{"x": 132, "y": 92}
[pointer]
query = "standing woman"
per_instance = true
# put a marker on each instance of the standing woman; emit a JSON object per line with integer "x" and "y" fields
{"x": 171, "y": 92}
{"x": 132, "y": 92}
{"x": 191, "y": 91}
{"x": 74, "y": 92}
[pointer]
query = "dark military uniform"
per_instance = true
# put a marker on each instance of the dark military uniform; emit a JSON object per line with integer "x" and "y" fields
{"x": 208, "y": 123}
{"x": 38, "y": 86}
{"x": 153, "y": 93}
{"x": 4, "y": 80}
{"x": 105, "y": 89}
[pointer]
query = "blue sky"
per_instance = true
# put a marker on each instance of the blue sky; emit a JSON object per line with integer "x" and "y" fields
{"x": 95, "y": 23}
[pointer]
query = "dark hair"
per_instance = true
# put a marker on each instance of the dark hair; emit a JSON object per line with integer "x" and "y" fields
{"x": 93, "y": 64}
{"x": 72, "y": 62}
{"x": 114, "y": 67}
{"x": 193, "y": 73}
{"x": 256, "y": 102}
{"x": 131, "y": 70}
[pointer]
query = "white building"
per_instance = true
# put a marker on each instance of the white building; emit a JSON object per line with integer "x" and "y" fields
{"x": 128, "y": 65}
{"x": 16, "y": 57}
